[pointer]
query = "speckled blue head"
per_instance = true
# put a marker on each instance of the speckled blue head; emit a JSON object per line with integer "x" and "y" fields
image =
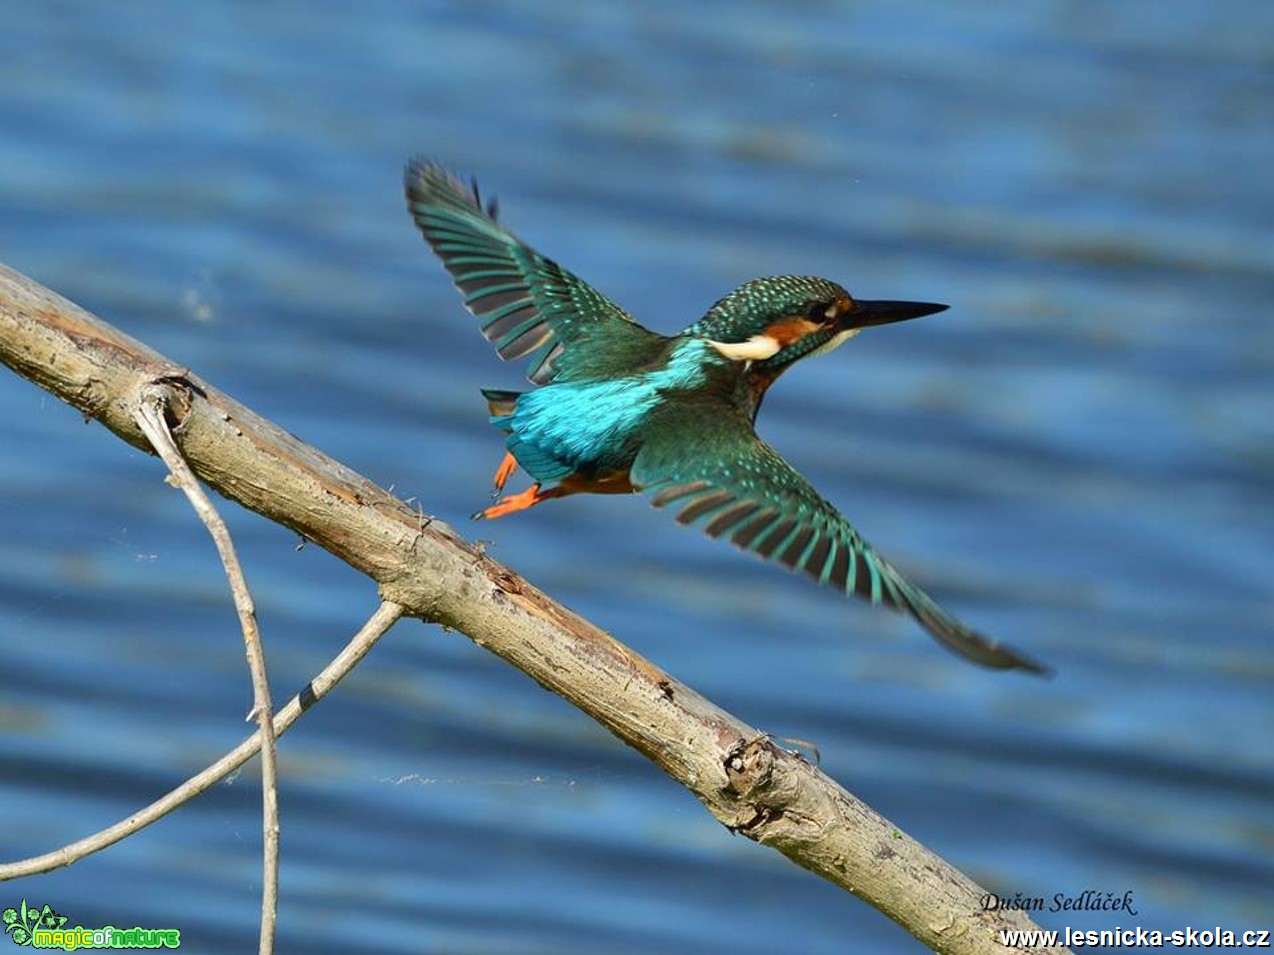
{"x": 775, "y": 321}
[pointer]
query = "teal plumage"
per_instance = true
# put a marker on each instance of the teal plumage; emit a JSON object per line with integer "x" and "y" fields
{"x": 621, "y": 408}
{"x": 527, "y": 304}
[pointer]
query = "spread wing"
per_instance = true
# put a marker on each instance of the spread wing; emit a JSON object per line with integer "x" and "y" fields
{"x": 708, "y": 462}
{"x": 528, "y": 305}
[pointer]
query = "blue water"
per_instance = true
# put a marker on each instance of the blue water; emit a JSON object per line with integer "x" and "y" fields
{"x": 1076, "y": 457}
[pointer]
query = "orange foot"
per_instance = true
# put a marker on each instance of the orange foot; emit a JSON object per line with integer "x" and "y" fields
{"x": 505, "y": 471}
{"x": 518, "y": 502}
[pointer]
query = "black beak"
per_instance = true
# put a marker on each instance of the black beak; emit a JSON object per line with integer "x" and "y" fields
{"x": 864, "y": 314}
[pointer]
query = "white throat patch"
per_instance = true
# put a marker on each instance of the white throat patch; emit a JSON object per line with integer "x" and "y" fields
{"x": 756, "y": 348}
{"x": 834, "y": 342}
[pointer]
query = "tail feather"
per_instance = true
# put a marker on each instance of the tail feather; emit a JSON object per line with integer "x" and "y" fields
{"x": 500, "y": 403}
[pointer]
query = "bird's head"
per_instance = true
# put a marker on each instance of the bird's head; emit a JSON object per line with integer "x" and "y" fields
{"x": 772, "y": 322}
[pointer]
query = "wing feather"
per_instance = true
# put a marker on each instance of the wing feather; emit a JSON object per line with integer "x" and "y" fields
{"x": 526, "y": 304}
{"x": 708, "y": 462}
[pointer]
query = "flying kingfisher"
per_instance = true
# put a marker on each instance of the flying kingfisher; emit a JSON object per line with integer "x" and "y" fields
{"x": 623, "y": 409}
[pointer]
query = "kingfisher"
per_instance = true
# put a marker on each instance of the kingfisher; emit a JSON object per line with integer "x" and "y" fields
{"x": 621, "y": 409}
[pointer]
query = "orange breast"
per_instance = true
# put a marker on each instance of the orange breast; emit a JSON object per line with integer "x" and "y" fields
{"x": 607, "y": 482}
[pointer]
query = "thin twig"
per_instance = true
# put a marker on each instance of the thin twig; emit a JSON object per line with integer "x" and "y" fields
{"x": 155, "y": 400}
{"x": 384, "y": 618}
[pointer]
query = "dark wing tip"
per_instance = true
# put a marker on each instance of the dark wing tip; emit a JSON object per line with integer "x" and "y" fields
{"x": 422, "y": 174}
{"x": 1036, "y": 668}
{"x": 429, "y": 182}
{"x": 997, "y": 656}
{"x": 978, "y": 648}
{"x": 974, "y": 646}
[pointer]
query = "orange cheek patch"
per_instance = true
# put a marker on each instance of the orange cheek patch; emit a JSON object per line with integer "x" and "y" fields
{"x": 791, "y": 329}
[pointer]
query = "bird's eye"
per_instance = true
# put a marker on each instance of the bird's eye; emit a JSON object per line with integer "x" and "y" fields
{"x": 831, "y": 309}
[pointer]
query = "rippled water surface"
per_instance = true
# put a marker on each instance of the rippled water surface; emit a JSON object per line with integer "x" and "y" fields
{"x": 1076, "y": 457}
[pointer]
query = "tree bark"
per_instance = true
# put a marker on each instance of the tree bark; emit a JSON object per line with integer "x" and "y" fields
{"x": 750, "y": 785}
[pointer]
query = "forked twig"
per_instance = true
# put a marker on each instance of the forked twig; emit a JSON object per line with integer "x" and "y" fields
{"x": 150, "y": 416}
{"x": 386, "y": 616}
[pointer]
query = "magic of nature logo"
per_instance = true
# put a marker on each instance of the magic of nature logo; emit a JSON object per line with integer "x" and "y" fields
{"x": 42, "y": 927}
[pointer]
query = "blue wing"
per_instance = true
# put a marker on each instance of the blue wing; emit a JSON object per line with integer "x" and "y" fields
{"x": 527, "y": 304}
{"x": 708, "y": 462}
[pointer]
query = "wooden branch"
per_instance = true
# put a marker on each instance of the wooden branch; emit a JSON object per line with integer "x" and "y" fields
{"x": 746, "y": 782}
